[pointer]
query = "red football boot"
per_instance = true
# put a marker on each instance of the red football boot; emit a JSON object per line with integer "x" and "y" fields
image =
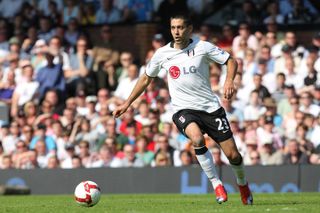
{"x": 246, "y": 196}
{"x": 221, "y": 194}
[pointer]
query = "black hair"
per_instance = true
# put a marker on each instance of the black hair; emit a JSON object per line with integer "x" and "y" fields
{"x": 184, "y": 16}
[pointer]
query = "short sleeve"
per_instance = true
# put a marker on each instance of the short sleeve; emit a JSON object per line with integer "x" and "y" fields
{"x": 216, "y": 54}
{"x": 154, "y": 66}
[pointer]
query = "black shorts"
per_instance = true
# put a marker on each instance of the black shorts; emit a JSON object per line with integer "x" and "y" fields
{"x": 215, "y": 124}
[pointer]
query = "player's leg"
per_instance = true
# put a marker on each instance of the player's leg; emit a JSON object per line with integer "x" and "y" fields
{"x": 230, "y": 150}
{"x": 205, "y": 160}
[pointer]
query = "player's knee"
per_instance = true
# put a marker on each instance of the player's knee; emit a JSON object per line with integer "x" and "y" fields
{"x": 235, "y": 158}
{"x": 198, "y": 141}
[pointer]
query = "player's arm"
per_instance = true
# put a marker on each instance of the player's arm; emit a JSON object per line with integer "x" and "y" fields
{"x": 141, "y": 85}
{"x": 228, "y": 87}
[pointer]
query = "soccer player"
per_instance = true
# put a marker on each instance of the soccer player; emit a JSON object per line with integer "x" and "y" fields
{"x": 197, "y": 108}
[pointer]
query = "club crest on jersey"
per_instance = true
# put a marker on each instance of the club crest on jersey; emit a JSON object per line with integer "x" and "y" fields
{"x": 190, "y": 53}
{"x": 182, "y": 119}
{"x": 174, "y": 72}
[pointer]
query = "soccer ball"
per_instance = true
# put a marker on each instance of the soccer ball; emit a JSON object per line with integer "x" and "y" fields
{"x": 87, "y": 193}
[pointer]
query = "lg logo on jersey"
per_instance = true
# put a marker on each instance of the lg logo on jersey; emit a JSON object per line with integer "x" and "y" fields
{"x": 175, "y": 71}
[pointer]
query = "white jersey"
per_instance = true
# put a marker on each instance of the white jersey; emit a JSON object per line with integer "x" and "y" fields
{"x": 188, "y": 74}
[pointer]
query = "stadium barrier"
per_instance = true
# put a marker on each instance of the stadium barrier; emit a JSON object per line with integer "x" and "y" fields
{"x": 185, "y": 180}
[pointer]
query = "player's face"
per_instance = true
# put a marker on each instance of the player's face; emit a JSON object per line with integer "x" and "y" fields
{"x": 180, "y": 31}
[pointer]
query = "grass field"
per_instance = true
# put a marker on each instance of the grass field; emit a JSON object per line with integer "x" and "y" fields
{"x": 164, "y": 203}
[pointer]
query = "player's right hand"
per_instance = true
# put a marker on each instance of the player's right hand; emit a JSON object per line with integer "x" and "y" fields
{"x": 120, "y": 110}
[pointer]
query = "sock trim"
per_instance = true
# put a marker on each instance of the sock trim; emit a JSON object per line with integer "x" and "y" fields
{"x": 236, "y": 163}
{"x": 201, "y": 150}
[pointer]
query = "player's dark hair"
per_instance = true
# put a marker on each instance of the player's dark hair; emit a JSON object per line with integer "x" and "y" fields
{"x": 184, "y": 16}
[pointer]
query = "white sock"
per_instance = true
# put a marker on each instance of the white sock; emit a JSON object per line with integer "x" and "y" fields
{"x": 207, "y": 165}
{"x": 238, "y": 170}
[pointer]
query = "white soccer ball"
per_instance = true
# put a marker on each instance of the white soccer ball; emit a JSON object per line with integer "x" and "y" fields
{"x": 87, "y": 193}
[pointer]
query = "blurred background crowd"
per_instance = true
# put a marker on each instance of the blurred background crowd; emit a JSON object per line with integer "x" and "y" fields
{"x": 58, "y": 86}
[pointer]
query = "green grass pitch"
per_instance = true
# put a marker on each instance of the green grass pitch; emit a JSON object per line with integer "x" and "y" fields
{"x": 164, "y": 203}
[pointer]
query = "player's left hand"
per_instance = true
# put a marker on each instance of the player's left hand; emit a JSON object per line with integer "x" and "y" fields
{"x": 228, "y": 90}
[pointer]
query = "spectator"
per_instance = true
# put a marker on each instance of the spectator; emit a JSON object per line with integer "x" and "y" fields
{"x": 126, "y": 59}
{"x": 45, "y": 32}
{"x": 61, "y": 143}
{"x": 106, "y": 76}
{"x": 278, "y": 93}
{"x": 299, "y": 14}
{"x": 50, "y": 77}
{"x": 311, "y": 77}
{"x": 162, "y": 159}
{"x": 104, "y": 158}
{"x": 307, "y": 106}
{"x": 186, "y": 158}
{"x": 66, "y": 161}
{"x": 129, "y": 159}
{"x": 82, "y": 132}
{"x": 254, "y": 108}
{"x": 52, "y": 103}
{"x": 83, "y": 151}
{"x": 255, "y": 159}
{"x": 6, "y": 162}
{"x": 269, "y": 154}
{"x": 30, "y": 40}
{"x": 76, "y": 162}
{"x": 106, "y": 50}
{"x": 216, "y": 154}
{"x": 53, "y": 162}
{"x": 81, "y": 63}
{"x": 25, "y": 91}
{"x": 225, "y": 42}
{"x": 270, "y": 109}
{"x": 26, "y": 134}
{"x": 60, "y": 55}
{"x": 42, "y": 153}
{"x": 30, "y": 112}
{"x": 245, "y": 35}
{"x": 128, "y": 119}
{"x": 258, "y": 86}
{"x": 110, "y": 132}
{"x": 38, "y": 59}
{"x": 249, "y": 13}
{"x": 71, "y": 11}
{"x": 28, "y": 160}
{"x": 266, "y": 133}
{"x": 290, "y": 44}
{"x": 315, "y": 159}
{"x": 104, "y": 97}
{"x": 90, "y": 112}
{"x": 142, "y": 152}
{"x": 294, "y": 155}
{"x": 108, "y": 13}
{"x": 88, "y": 14}
{"x": 40, "y": 135}
{"x": 315, "y": 133}
{"x": 126, "y": 85}
{"x": 273, "y": 13}
{"x": 71, "y": 34}
{"x": 162, "y": 145}
{"x": 9, "y": 141}
{"x": 43, "y": 6}
{"x": 143, "y": 113}
{"x": 232, "y": 111}
{"x": 7, "y": 87}
{"x": 138, "y": 11}
{"x": 271, "y": 41}
{"x": 268, "y": 78}
{"x": 10, "y": 8}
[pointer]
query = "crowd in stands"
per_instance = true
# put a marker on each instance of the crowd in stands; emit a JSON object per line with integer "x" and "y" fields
{"x": 59, "y": 90}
